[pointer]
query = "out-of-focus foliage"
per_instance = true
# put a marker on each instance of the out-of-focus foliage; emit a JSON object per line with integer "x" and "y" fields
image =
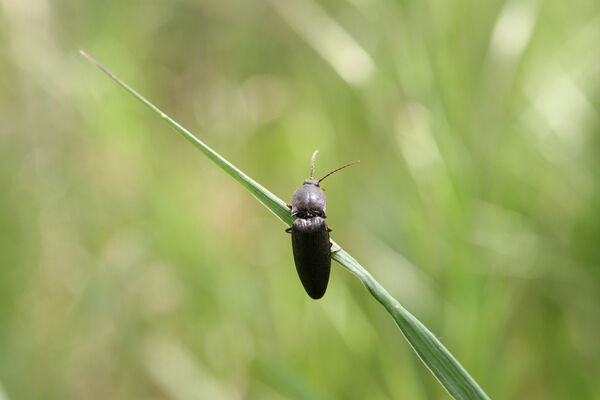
{"x": 131, "y": 267}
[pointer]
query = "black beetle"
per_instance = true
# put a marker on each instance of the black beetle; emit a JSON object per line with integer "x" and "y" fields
{"x": 310, "y": 234}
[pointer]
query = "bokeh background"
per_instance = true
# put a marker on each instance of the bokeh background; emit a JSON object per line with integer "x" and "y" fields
{"x": 132, "y": 267}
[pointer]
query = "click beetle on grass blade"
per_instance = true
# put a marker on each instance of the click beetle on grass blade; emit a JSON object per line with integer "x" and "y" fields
{"x": 310, "y": 234}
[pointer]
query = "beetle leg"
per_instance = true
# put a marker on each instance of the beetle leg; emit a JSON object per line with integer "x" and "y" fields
{"x": 335, "y": 251}
{"x": 289, "y": 230}
{"x": 329, "y": 229}
{"x": 289, "y": 205}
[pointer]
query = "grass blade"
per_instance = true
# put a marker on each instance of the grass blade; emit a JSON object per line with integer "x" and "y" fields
{"x": 448, "y": 371}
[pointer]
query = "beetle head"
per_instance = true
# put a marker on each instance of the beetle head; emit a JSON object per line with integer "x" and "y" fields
{"x": 312, "y": 182}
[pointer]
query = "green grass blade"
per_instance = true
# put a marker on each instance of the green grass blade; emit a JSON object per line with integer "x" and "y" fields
{"x": 448, "y": 371}
{"x": 442, "y": 364}
{"x": 272, "y": 202}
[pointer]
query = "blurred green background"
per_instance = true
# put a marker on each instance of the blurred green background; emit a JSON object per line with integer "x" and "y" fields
{"x": 132, "y": 267}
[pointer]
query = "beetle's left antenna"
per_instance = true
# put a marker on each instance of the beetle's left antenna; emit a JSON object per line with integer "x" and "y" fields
{"x": 312, "y": 165}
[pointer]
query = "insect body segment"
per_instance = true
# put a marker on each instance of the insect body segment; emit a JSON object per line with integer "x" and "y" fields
{"x": 309, "y": 201}
{"x": 310, "y": 243}
{"x": 310, "y": 234}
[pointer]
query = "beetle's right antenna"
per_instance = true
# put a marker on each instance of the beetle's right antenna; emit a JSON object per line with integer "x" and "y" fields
{"x": 339, "y": 169}
{"x": 312, "y": 165}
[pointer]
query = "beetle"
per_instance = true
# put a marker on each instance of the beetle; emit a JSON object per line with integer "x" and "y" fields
{"x": 310, "y": 234}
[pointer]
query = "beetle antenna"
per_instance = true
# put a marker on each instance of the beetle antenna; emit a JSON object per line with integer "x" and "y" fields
{"x": 312, "y": 165}
{"x": 339, "y": 169}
